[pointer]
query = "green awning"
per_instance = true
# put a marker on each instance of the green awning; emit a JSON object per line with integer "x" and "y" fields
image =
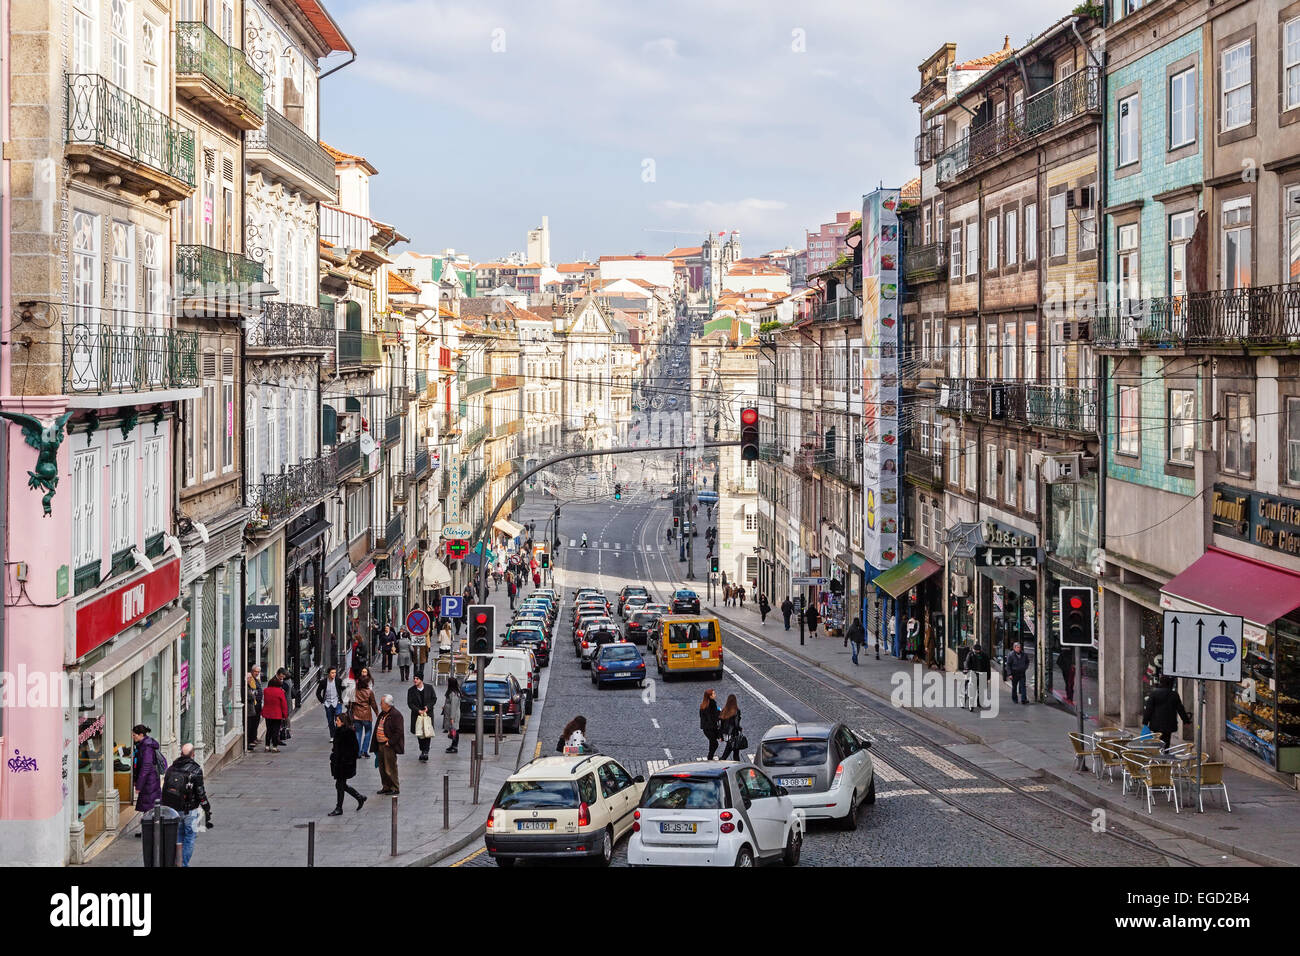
{"x": 908, "y": 573}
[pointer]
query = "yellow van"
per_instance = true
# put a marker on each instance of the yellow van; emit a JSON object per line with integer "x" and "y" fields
{"x": 688, "y": 643}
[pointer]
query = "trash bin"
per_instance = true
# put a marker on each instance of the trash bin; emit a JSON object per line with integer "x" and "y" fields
{"x": 169, "y": 822}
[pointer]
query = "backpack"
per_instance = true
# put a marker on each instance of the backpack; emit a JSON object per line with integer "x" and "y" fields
{"x": 176, "y": 788}
{"x": 159, "y": 762}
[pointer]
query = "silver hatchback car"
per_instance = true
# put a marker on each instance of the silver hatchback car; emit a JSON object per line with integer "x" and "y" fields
{"x": 825, "y": 768}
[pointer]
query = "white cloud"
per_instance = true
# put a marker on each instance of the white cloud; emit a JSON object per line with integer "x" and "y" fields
{"x": 664, "y": 46}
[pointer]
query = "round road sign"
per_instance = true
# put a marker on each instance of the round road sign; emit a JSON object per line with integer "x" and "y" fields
{"x": 417, "y": 622}
{"x": 354, "y": 601}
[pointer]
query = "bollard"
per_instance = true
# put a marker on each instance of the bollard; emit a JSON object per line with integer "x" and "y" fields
{"x": 496, "y": 739}
{"x": 446, "y": 801}
{"x": 394, "y": 847}
{"x": 311, "y": 843}
{"x": 157, "y": 838}
{"x": 478, "y": 770}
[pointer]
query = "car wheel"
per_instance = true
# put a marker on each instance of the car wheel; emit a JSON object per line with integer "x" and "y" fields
{"x": 745, "y": 857}
{"x": 871, "y": 792}
{"x": 850, "y": 821}
{"x": 793, "y": 847}
{"x": 505, "y": 861}
{"x": 607, "y": 847}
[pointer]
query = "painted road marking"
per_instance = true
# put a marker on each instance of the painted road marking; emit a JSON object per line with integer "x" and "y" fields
{"x": 654, "y": 766}
{"x": 481, "y": 850}
{"x": 652, "y": 720}
{"x": 887, "y": 773}
{"x": 938, "y": 763}
{"x": 960, "y": 790}
{"x": 618, "y": 545}
{"x": 754, "y": 692}
{"x": 881, "y": 795}
{"x": 668, "y": 753}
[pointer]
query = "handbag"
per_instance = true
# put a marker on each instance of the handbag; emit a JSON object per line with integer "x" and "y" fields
{"x": 424, "y": 726}
{"x": 741, "y": 741}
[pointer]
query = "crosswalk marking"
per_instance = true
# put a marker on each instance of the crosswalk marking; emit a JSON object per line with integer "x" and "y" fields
{"x": 885, "y": 772}
{"x": 910, "y": 792}
{"x": 961, "y": 790}
{"x": 618, "y": 546}
{"x": 654, "y": 766}
{"x": 938, "y": 763}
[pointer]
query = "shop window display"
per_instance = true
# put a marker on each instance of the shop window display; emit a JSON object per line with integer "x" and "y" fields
{"x": 91, "y": 763}
{"x": 1264, "y": 710}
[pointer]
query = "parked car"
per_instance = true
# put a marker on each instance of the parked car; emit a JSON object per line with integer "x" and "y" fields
{"x": 825, "y": 768}
{"x": 521, "y": 664}
{"x": 501, "y": 694}
{"x": 714, "y": 814}
{"x": 627, "y": 591}
{"x": 619, "y": 663}
{"x": 685, "y": 602}
{"x": 563, "y": 806}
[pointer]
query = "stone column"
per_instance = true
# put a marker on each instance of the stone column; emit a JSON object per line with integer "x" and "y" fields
{"x": 218, "y": 700}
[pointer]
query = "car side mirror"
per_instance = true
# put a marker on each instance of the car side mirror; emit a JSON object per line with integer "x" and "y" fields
{"x": 638, "y": 779}
{"x": 744, "y": 798}
{"x": 866, "y": 745}
{"x": 783, "y": 791}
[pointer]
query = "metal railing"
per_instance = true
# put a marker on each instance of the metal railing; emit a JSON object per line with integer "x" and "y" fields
{"x": 926, "y": 262}
{"x": 924, "y": 466}
{"x": 418, "y": 465}
{"x": 203, "y": 267}
{"x": 280, "y": 137}
{"x": 844, "y": 469}
{"x": 357, "y": 349}
{"x": 1060, "y": 407}
{"x": 480, "y": 384}
{"x": 392, "y": 429}
{"x": 1256, "y": 315}
{"x": 421, "y": 383}
{"x": 1078, "y": 93}
{"x": 199, "y": 50}
{"x": 348, "y": 457}
{"x": 103, "y": 114}
{"x": 769, "y": 453}
{"x": 927, "y": 145}
{"x": 99, "y": 359}
{"x": 475, "y": 436}
{"x": 472, "y": 487}
{"x": 278, "y": 497}
{"x": 507, "y": 428}
{"x": 846, "y": 307}
{"x": 288, "y": 325}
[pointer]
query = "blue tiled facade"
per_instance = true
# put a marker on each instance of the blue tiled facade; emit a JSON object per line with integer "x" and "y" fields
{"x": 1151, "y": 469}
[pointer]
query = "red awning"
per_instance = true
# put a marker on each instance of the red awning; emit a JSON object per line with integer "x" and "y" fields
{"x": 1231, "y": 584}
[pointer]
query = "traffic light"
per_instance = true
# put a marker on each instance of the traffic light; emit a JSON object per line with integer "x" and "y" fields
{"x": 544, "y": 560}
{"x": 1077, "y": 616}
{"x": 749, "y": 434}
{"x": 482, "y": 630}
{"x": 676, "y": 522}
{"x": 618, "y": 491}
{"x": 713, "y": 564}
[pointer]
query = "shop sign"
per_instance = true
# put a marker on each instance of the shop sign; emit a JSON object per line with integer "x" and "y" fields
{"x": 1004, "y": 536}
{"x": 1061, "y": 468}
{"x": 225, "y": 659}
{"x": 108, "y": 616}
{"x": 1265, "y": 520}
{"x": 1007, "y": 557}
{"x": 262, "y": 617}
{"x": 388, "y": 587}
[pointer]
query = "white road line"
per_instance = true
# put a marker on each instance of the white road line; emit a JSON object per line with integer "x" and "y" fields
{"x": 654, "y": 766}
{"x": 618, "y": 545}
{"x": 668, "y": 753}
{"x": 655, "y": 722}
{"x": 961, "y": 790}
{"x": 938, "y": 763}
{"x": 754, "y": 692}
{"x": 887, "y": 773}
{"x": 573, "y": 542}
{"x": 910, "y": 792}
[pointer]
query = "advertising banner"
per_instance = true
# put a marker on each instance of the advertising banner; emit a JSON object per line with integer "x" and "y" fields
{"x": 880, "y": 405}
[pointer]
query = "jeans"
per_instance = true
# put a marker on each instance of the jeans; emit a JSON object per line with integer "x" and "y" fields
{"x": 365, "y": 729}
{"x": 732, "y": 749}
{"x": 188, "y": 822}
{"x": 855, "y": 645}
{"x": 331, "y": 711}
{"x": 713, "y": 745}
{"x": 1018, "y": 680}
{"x": 787, "y": 621}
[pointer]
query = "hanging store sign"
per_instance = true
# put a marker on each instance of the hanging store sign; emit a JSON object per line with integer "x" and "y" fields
{"x": 262, "y": 617}
{"x": 108, "y": 616}
{"x": 1007, "y": 557}
{"x": 1268, "y": 521}
{"x": 881, "y": 294}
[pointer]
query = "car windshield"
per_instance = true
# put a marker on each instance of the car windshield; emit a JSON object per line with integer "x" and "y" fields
{"x": 683, "y": 792}
{"x": 523, "y": 635}
{"x": 538, "y": 795}
{"x": 642, "y": 618}
{"x": 793, "y": 753}
{"x": 686, "y": 595}
{"x": 603, "y": 635}
{"x": 631, "y": 591}
{"x": 491, "y": 688}
{"x": 620, "y": 652}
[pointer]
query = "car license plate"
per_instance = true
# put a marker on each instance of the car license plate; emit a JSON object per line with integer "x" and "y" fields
{"x": 488, "y": 709}
{"x": 535, "y": 824}
{"x": 675, "y": 827}
{"x": 794, "y": 781}
{"x": 680, "y": 656}
{"x": 623, "y": 674}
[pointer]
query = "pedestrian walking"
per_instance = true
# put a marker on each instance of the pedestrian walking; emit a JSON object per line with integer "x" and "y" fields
{"x": 929, "y": 644}
{"x": 183, "y": 791}
{"x": 274, "y": 707}
{"x": 537, "y": 579}
{"x": 404, "y": 655}
{"x": 740, "y": 594}
{"x": 511, "y": 589}
{"x": 913, "y": 638}
{"x": 363, "y": 713}
{"x": 573, "y": 735}
{"x": 1017, "y": 666}
{"x": 253, "y": 703}
{"x": 343, "y": 763}
{"x": 286, "y": 684}
{"x": 764, "y": 608}
{"x": 444, "y": 636}
{"x": 420, "y": 698}
{"x": 709, "y": 720}
{"x": 330, "y": 693}
{"x": 1163, "y": 709}
{"x": 388, "y": 644}
{"x": 1065, "y": 661}
{"x": 787, "y": 608}
{"x": 729, "y": 725}
{"x": 977, "y": 669}
{"x": 451, "y": 713}
{"x": 811, "y": 617}
{"x": 390, "y": 734}
{"x": 147, "y": 768}
{"x": 891, "y": 628}
{"x": 857, "y": 636}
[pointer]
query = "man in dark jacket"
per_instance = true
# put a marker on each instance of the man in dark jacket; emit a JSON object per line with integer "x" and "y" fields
{"x": 857, "y": 636}
{"x": 183, "y": 792}
{"x": 811, "y": 618}
{"x": 1163, "y": 708}
{"x": 390, "y": 734}
{"x": 330, "y": 693}
{"x": 977, "y": 676}
{"x": 420, "y": 698}
{"x": 1017, "y": 666}
{"x": 787, "y": 608}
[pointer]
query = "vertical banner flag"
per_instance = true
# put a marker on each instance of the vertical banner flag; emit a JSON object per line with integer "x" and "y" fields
{"x": 880, "y": 412}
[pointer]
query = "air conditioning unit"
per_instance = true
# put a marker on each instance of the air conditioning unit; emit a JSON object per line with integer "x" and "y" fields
{"x": 1080, "y": 198}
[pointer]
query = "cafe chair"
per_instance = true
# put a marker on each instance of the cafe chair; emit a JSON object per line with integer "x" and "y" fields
{"x": 1083, "y": 749}
{"x": 1110, "y": 758}
{"x": 1159, "y": 778}
{"x": 1212, "y": 779}
{"x": 442, "y": 670}
{"x": 1135, "y": 764}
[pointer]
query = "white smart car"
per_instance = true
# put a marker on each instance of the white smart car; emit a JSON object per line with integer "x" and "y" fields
{"x": 714, "y": 814}
{"x": 824, "y": 767}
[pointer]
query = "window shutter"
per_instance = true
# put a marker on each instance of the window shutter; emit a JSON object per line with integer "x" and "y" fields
{"x": 329, "y": 425}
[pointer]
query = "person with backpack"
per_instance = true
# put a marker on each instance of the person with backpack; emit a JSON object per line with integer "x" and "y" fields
{"x": 343, "y": 763}
{"x": 274, "y": 708}
{"x": 147, "y": 768}
{"x": 182, "y": 790}
{"x": 729, "y": 725}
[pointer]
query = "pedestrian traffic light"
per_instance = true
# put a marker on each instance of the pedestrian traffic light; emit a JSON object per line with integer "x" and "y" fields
{"x": 618, "y": 491}
{"x": 749, "y": 434}
{"x": 544, "y": 560}
{"x": 713, "y": 564}
{"x": 482, "y": 630}
{"x": 1077, "y": 616}
{"x": 676, "y": 522}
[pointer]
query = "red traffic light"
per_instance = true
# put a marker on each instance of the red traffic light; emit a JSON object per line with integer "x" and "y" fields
{"x": 1076, "y": 603}
{"x": 480, "y": 618}
{"x": 749, "y": 416}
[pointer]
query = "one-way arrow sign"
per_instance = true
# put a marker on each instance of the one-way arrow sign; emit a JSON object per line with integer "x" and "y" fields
{"x": 1205, "y": 646}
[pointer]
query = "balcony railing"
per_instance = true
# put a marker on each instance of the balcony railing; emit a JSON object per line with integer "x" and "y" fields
{"x": 290, "y": 325}
{"x": 296, "y": 153}
{"x": 278, "y": 497}
{"x": 392, "y": 430}
{"x": 99, "y": 359}
{"x": 401, "y": 487}
{"x": 1058, "y": 407}
{"x": 421, "y": 383}
{"x": 418, "y": 465}
{"x": 475, "y": 436}
{"x": 1073, "y": 96}
{"x": 480, "y": 384}
{"x": 1256, "y": 315}
{"x": 201, "y": 268}
{"x": 846, "y": 307}
{"x": 472, "y": 488}
{"x": 104, "y": 115}
{"x": 506, "y": 428}
{"x": 924, "y": 467}
{"x": 925, "y": 263}
{"x": 358, "y": 349}
{"x": 199, "y": 50}
{"x": 769, "y": 453}
{"x": 927, "y": 145}
{"x": 349, "y": 457}
{"x": 845, "y": 469}
{"x": 389, "y": 536}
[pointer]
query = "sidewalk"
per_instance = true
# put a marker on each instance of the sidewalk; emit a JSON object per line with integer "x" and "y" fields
{"x": 1264, "y": 826}
{"x": 262, "y": 801}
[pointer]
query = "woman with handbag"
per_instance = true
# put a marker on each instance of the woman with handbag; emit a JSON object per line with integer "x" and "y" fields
{"x": 709, "y": 720}
{"x": 363, "y": 712}
{"x": 729, "y": 724}
{"x": 343, "y": 762}
{"x": 275, "y": 706}
{"x": 420, "y": 698}
{"x": 451, "y": 713}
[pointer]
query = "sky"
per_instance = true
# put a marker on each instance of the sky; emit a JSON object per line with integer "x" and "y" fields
{"x": 636, "y": 127}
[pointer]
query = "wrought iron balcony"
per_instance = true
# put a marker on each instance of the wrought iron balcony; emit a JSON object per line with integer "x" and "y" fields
{"x": 211, "y": 71}
{"x": 348, "y": 456}
{"x": 1073, "y": 96}
{"x": 480, "y": 384}
{"x": 842, "y": 309}
{"x": 507, "y": 428}
{"x": 289, "y": 154}
{"x": 1057, "y": 407}
{"x": 845, "y": 469}
{"x": 475, "y": 436}
{"x": 203, "y": 270}
{"x": 390, "y": 535}
{"x": 421, "y": 383}
{"x": 924, "y": 467}
{"x": 925, "y": 263}
{"x": 473, "y": 487}
{"x": 1255, "y": 315}
{"x": 1062, "y": 408}
{"x": 392, "y": 430}
{"x": 290, "y": 325}
{"x": 99, "y": 359}
{"x": 358, "y": 350}
{"x": 125, "y": 136}
{"x": 278, "y": 497}
{"x": 927, "y": 145}
{"x": 419, "y": 464}
{"x": 769, "y": 453}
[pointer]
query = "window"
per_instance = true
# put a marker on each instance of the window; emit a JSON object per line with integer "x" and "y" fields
{"x": 1130, "y": 424}
{"x": 85, "y": 268}
{"x": 972, "y": 350}
{"x": 972, "y": 462}
{"x": 150, "y": 55}
{"x": 1235, "y": 70}
{"x": 1009, "y": 353}
{"x": 927, "y": 225}
{"x": 228, "y": 411}
{"x": 992, "y": 254}
{"x": 1031, "y": 232}
{"x": 954, "y": 462}
{"x": 954, "y": 256}
{"x": 1236, "y": 243}
{"x": 1127, "y": 141}
{"x": 1182, "y": 425}
{"x": 972, "y": 247}
{"x": 155, "y": 511}
{"x": 122, "y": 274}
{"x": 120, "y": 44}
{"x": 250, "y": 442}
{"x": 1291, "y": 211}
{"x": 1182, "y": 108}
{"x": 192, "y": 426}
{"x": 1012, "y": 218}
{"x": 990, "y": 471}
{"x": 1293, "y": 441}
{"x": 1031, "y": 351}
{"x": 1031, "y": 484}
{"x": 954, "y": 351}
{"x": 1086, "y": 223}
{"x": 155, "y": 287}
{"x": 991, "y": 351}
{"x": 1238, "y": 435}
{"x": 1009, "y": 477}
{"x": 1056, "y": 225}
{"x": 85, "y": 33}
{"x": 938, "y": 207}
{"x": 1291, "y": 64}
{"x": 1180, "y": 233}
{"x": 209, "y": 413}
{"x": 1126, "y": 272}
{"x": 121, "y": 516}
{"x": 751, "y": 519}
{"x": 1056, "y": 353}
{"x": 86, "y": 486}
